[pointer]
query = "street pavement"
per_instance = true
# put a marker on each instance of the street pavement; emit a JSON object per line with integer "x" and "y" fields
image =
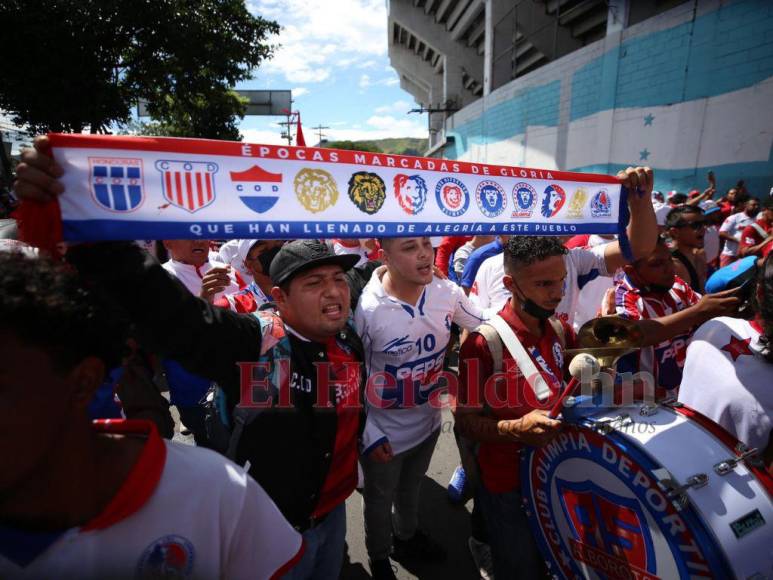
{"x": 448, "y": 524}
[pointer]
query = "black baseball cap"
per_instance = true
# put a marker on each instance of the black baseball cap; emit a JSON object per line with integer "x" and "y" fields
{"x": 300, "y": 255}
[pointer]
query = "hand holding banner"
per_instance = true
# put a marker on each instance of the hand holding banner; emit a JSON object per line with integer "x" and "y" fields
{"x": 163, "y": 188}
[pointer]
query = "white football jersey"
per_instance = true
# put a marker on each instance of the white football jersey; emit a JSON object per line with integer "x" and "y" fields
{"x": 407, "y": 342}
{"x": 183, "y": 512}
{"x": 582, "y": 266}
{"x": 727, "y": 379}
{"x": 191, "y": 276}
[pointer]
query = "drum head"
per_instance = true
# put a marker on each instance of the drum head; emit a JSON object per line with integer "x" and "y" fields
{"x": 597, "y": 511}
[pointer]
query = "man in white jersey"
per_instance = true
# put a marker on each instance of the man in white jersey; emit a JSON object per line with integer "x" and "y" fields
{"x": 728, "y": 372}
{"x": 108, "y": 499}
{"x": 404, "y": 318}
{"x": 584, "y": 265}
{"x": 189, "y": 262}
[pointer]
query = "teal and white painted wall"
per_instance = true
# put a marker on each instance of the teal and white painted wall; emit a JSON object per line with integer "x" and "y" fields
{"x": 687, "y": 91}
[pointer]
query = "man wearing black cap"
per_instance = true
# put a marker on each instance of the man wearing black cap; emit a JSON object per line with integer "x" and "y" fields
{"x": 302, "y": 448}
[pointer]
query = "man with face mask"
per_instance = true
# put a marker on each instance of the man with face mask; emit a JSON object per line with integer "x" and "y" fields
{"x": 255, "y": 258}
{"x": 504, "y": 415}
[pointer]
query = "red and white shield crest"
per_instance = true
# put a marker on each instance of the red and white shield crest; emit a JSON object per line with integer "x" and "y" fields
{"x": 189, "y": 185}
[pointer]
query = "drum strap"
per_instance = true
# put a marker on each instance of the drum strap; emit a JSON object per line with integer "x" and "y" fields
{"x": 518, "y": 352}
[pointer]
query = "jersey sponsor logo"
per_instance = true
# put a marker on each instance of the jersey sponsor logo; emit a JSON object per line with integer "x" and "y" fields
{"x": 452, "y": 196}
{"x": 116, "y": 183}
{"x": 367, "y": 191}
{"x": 553, "y": 199}
{"x": 257, "y": 188}
{"x": 316, "y": 189}
{"x": 601, "y": 204}
{"x": 524, "y": 200}
{"x": 491, "y": 198}
{"x": 398, "y": 346}
{"x": 188, "y": 185}
{"x": 558, "y": 355}
{"x": 597, "y": 509}
{"x": 167, "y": 557}
{"x": 410, "y": 192}
{"x": 577, "y": 203}
{"x": 415, "y": 380}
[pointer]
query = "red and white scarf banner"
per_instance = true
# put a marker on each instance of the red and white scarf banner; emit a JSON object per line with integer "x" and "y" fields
{"x": 125, "y": 188}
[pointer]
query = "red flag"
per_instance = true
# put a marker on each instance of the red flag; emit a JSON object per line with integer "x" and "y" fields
{"x": 299, "y": 140}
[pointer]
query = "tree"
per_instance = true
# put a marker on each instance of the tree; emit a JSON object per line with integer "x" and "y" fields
{"x": 355, "y": 146}
{"x": 85, "y": 63}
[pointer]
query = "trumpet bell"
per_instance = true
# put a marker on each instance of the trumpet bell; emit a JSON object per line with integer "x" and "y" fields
{"x": 608, "y": 338}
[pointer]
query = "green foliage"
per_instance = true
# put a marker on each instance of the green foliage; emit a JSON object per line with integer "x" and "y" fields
{"x": 354, "y": 146}
{"x": 399, "y": 146}
{"x": 85, "y": 63}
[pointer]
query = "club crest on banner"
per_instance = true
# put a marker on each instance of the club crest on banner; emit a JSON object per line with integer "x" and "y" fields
{"x": 316, "y": 189}
{"x": 410, "y": 192}
{"x": 167, "y": 557}
{"x": 257, "y": 188}
{"x": 601, "y": 205}
{"x": 553, "y": 200}
{"x": 189, "y": 185}
{"x": 491, "y": 198}
{"x": 367, "y": 191}
{"x": 577, "y": 203}
{"x": 116, "y": 183}
{"x": 524, "y": 200}
{"x": 452, "y": 196}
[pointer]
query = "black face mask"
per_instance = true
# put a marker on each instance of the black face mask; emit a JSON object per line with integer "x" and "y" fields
{"x": 532, "y": 308}
{"x": 266, "y": 257}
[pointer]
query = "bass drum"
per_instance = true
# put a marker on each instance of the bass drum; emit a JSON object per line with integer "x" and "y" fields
{"x": 648, "y": 491}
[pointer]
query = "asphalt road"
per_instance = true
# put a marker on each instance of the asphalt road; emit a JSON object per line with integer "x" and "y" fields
{"x": 446, "y": 523}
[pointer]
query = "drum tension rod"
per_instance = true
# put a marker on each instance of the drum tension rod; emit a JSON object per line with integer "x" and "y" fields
{"x": 675, "y": 491}
{"x": 606, "y": 426}
{"x": 728, "y": 465}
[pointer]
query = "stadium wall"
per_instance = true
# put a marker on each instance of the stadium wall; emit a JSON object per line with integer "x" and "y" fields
{"x": 687, "y": 91}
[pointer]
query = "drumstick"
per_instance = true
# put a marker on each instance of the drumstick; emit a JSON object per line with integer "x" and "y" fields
{"x": 583, "y": 366}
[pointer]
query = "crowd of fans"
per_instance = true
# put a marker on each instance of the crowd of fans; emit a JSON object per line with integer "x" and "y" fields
{"x": 318, "y": 367}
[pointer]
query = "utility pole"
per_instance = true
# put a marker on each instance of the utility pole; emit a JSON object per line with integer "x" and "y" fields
{"x": 319, "y": 128}
{"x": 287, "y": 132}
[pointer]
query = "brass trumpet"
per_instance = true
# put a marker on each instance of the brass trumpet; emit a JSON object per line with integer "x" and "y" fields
{"x": 608, "y": 338}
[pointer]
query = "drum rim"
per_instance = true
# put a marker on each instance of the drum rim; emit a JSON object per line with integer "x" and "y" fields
{"x": 704, "y": 536}
{"x": 728, "y": 440}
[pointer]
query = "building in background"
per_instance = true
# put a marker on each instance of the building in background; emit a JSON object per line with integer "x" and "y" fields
{"x": 595, "y": 85}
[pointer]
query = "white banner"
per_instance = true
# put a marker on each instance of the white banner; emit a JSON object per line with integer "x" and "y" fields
{"x": 162, "y": 188}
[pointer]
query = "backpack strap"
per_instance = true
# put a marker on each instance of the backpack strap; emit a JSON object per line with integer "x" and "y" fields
{"x": 494, "y": 344}
{"x": 521, "y": 357}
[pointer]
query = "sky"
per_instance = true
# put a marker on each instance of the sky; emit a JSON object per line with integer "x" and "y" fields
{"x": 332, "y": 54}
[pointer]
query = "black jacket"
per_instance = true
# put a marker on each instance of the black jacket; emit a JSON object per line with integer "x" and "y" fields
{"x": 290, "y": 450}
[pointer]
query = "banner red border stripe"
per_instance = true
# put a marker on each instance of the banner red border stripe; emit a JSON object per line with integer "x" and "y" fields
{"x": 235, "y": 149}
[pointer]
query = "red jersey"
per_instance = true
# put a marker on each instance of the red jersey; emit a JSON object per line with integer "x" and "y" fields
{"x": 512, "y": 398}
{"x": 755, "y": 234}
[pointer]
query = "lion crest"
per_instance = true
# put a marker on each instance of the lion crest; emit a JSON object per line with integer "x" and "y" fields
{"x": 367, "y": 191}
{"x": 577, "y": 203}
{"x": 316, "y": 189}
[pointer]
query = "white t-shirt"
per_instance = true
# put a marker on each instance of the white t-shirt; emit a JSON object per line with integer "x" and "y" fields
{"x": 592, "y": 293}
{"x": 405, "y": 340}
{"x": 461, "y": 256}
{"x": 582, "y": 266}
{"x": 183, "y": 512}
{"x": 726, "y": 379}
{"x": 191, "y": 276}
{"x": 733, "y": 226}
{"x": 339, "y": 249}
{"x": 230, "y": 253}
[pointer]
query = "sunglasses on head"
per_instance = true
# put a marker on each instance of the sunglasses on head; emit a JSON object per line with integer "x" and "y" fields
{"x": 694, "y": 225}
